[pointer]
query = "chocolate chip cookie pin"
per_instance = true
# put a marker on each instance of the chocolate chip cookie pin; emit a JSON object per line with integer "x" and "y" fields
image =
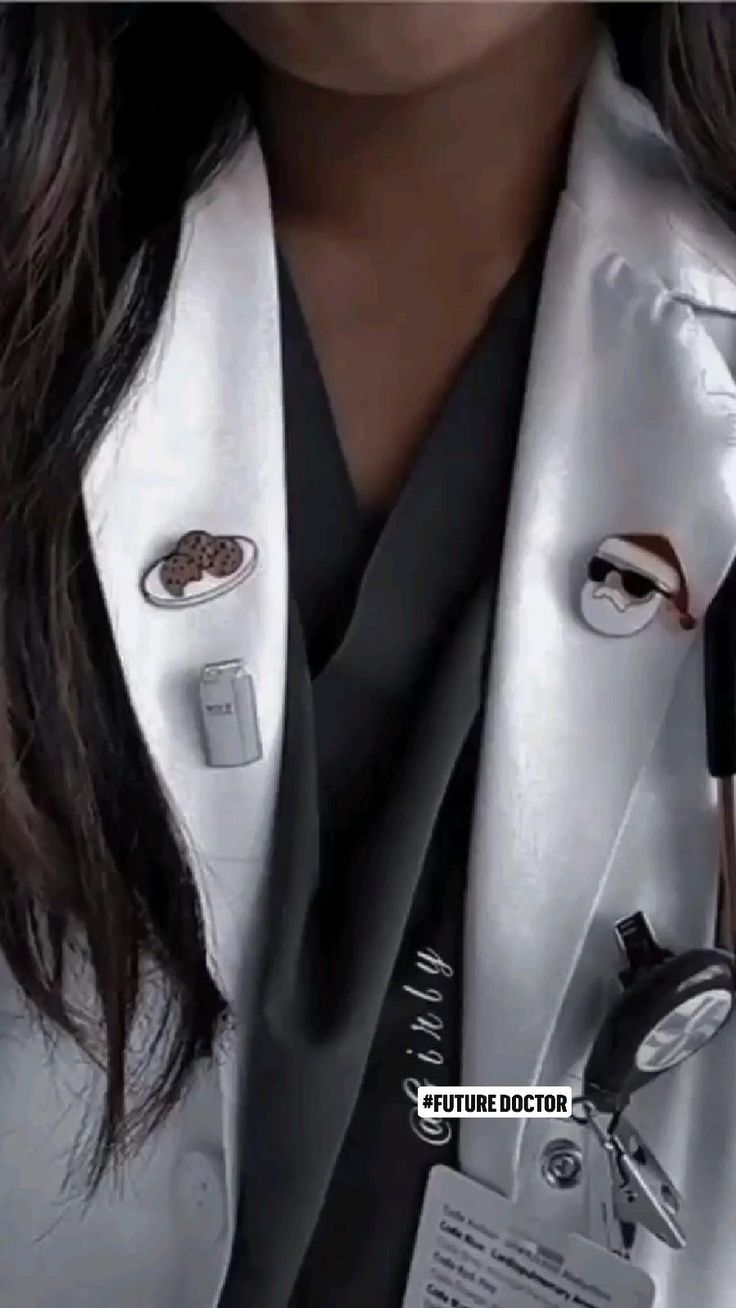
{"x": 199, "y": 567}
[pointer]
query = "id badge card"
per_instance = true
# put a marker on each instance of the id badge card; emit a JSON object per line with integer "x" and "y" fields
{"x": 476, "y": 1249}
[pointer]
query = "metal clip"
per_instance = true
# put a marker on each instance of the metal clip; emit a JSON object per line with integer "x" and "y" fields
{"x": 643, "y": 1193}
{"x": 603, "y": 1224}
{"x": 637, "y": 941}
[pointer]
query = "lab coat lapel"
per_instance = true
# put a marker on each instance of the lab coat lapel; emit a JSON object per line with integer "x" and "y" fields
{"x": 199, "y": 446}
{"x": 629, "y": 427}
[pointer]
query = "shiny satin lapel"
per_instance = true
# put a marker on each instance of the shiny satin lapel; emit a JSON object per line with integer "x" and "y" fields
{"x": 200, "y": 447}
{"x": 629, "y": 426}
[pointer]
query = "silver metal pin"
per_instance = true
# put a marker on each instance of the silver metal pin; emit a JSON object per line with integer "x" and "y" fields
{"x": 229, "y": 715}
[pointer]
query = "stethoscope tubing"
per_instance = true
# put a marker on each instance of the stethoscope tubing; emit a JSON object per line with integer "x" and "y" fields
{"x": 719, "y": 667}
{"x": 727, "y": 825}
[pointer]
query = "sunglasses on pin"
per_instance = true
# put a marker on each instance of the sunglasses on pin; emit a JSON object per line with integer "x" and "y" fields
{"x": 634, "y": 584}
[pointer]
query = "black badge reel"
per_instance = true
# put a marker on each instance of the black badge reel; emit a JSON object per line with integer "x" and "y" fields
{"x": 672, "y": 1004}
{"x": 670, "y": 1007}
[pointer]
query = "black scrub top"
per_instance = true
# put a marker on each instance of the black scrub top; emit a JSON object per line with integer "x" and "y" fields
{"x": 380, "y": 604}
{"x": 361, "y": 1000}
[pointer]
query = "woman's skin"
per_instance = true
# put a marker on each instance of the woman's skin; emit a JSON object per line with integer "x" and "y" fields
{"x": 413, "y": 150}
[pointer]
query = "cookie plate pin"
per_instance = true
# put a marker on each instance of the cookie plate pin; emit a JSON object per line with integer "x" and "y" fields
{"x": 630, "y": 579}
{"x": 199, "y": 568}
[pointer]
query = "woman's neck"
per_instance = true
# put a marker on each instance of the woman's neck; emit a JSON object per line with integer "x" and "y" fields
{"x": 471, "y": 161}
{"x": 403, "y": 217}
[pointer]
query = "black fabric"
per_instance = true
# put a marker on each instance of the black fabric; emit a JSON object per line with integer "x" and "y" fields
{"x": 332, "y": 945}
{"x": 361, "y": 1248}
{"x": 382, "y": 609}
{"x": 636, "y": 32}
{"x": 330, "y": 537}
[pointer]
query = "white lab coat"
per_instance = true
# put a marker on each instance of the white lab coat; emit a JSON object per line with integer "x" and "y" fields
{"x": 593, "y": 795}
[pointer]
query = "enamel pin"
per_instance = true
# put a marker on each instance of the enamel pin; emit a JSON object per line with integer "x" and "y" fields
{"x": 229, "y": 714}
{"x": 199, "y": 568}
{"x": 630, "y": 578}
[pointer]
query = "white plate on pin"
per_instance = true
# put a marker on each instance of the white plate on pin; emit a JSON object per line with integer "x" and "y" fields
{"x": 207, "y": 587}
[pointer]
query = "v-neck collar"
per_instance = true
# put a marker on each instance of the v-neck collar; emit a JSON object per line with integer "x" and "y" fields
{"x": 344, "y": 555}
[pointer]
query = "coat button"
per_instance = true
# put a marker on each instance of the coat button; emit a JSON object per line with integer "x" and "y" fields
{"x": 199, "y": 1194}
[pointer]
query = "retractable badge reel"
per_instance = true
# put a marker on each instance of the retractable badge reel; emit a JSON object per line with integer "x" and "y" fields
{"x": 671, "y": 1006}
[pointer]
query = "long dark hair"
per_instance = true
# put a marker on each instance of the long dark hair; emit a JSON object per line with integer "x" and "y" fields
{"x": 110, "y": 118}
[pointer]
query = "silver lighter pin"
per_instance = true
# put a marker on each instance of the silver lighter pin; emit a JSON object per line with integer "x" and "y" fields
{"x": 229, "y": 714}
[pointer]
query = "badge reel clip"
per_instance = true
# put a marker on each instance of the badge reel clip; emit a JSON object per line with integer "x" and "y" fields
{"x": 670, "y": 1007}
